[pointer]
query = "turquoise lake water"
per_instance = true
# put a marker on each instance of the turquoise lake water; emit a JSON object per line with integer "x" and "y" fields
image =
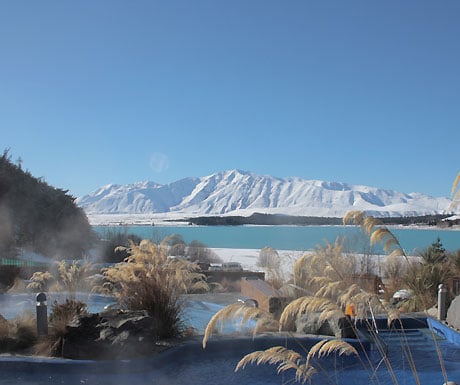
{"x": 289, "y": 237}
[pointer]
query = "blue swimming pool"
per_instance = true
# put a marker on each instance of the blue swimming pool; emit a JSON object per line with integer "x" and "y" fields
{"x": 190, "y": 364}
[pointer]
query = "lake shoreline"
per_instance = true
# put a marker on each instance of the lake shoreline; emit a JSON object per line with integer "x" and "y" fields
{"x": 175, "y": 220}
{"x": 302, "y": 238}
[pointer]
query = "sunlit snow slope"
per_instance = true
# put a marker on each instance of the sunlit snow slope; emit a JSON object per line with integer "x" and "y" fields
{"x": 242, "y": 193}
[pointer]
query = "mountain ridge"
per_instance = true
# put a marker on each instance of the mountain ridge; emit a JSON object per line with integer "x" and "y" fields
{"x": 237, "y": 192}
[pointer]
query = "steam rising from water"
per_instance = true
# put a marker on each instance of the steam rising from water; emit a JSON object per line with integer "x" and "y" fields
{"x": 5, "y": 225}
{"x": 14, "y": 305}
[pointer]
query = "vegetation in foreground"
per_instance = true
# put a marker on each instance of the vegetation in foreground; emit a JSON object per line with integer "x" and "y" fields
{"x": 150, "y": 280}
{"x": 326, "y": 284}
{"x": 17, "y": 335}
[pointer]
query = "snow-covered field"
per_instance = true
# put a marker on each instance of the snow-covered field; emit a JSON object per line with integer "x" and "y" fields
{"x": 162, "y": 219}
{"x": 248, "y": 258}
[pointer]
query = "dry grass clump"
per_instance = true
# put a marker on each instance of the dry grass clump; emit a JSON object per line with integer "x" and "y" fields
{"x": 60, "y": 316}
{"x": 377, "y": 232}
{"x": 65, "y": 312}
{"x": 455, "y": 193}
{"x": 70, "y": 278}
{"x": 17, "y": 335}
{"x": 287, "y": 359}
{"x": 308, "y": 304}
{"x": 40, "y": 281}
{"x": 327, "y": 268}
{"x": 329, "y": 278}
{"x": 149, "y": 280}
{"x": 241, "y": 313}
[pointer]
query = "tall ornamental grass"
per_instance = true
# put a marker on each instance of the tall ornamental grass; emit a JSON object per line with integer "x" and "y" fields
{"x": 326, "y": 286}
{"x": 149, "y": 280}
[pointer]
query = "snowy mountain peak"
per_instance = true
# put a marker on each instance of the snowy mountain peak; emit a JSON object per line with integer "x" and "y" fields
{"x": 240, "y": 192}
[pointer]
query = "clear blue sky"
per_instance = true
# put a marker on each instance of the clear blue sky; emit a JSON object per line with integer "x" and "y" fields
{"x": 107, "y": 91}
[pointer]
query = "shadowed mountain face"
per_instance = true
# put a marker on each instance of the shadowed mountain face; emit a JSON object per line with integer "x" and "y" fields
{"x": 238, "y": 192}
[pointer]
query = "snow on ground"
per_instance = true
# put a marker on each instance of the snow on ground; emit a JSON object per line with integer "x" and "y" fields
{"x": 234, "y": 191}
{"x": 163, "y": 219}
{"x": 248, "y": 258}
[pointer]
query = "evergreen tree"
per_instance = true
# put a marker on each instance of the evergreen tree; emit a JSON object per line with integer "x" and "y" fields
{"x": 37, "y": 216}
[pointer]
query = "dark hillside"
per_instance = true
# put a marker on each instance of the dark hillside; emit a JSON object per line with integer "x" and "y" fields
{"x": 37, "y": 216}
{"x": 278, "y": 219}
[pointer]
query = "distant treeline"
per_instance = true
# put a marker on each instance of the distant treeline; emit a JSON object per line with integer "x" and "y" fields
{"x": 279, "y": 219}
{"x": 38, "y": 217}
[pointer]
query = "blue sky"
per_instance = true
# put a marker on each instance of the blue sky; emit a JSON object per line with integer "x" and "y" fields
{"x": 364, "y": 92}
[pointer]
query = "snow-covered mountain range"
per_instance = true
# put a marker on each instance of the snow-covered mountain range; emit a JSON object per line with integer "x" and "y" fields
{"x": 238, "y": 192}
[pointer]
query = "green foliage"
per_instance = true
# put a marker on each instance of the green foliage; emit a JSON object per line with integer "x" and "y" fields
{"x": 174, "y": 245}
{"x": 454, "y": 259}
{"x": 424, "y": 277}
{"x": 39, "y": 217}
{"x": 111, "y": 252}
{"x": 279, "y": 219}
{"x": 434, "y": 254}
{"x": 199, "y": 253}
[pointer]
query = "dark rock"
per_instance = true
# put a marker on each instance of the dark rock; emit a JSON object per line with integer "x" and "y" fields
{"x": 113, "y": 334}
{"x": 453, "y": 313}
{"x": 79, "y": 341}
{"x": 310, "y": 324}
{"x": 84, "y": 325}
{"x": 346, "y": 327}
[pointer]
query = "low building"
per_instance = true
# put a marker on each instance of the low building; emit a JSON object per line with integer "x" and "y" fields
{"x": 263, "y": 294}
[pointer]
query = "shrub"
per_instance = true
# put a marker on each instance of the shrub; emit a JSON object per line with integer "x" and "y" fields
{"x": 40, "y": 281}
{"x": 198, "y": 252}
{"x": 18, "y": 334}
{"x": 70, "y": 278}
{"x": 269, "y": 258}
{"x": 327, "y": 276}
{"x": 433, "y": 267}
{"x": 112, "y": 239}
{"x": 149, "y": 280}
{"x": 270, "y": 261}
{"x": 65, "y": 312}
{"x": 60, "y": 316}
